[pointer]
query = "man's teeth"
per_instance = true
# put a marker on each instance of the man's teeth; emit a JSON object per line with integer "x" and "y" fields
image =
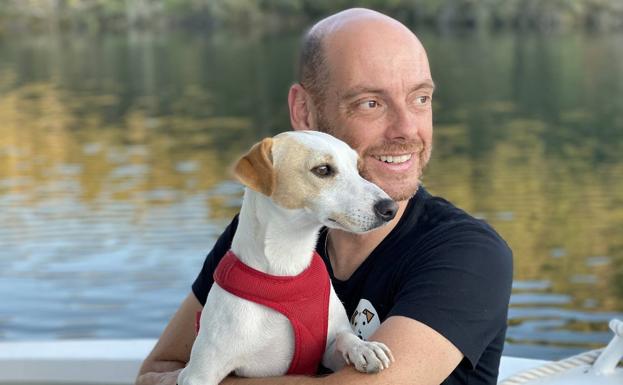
{"x": 394, "y": 159}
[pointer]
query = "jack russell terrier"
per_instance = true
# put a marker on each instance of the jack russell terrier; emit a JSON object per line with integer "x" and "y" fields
{"x": 272, "y": 309}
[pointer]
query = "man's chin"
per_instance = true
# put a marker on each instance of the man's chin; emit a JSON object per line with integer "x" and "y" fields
{"x": 403, "y": 195}
{"x": 398, "y": 191}
{"x": 399, "y": 186}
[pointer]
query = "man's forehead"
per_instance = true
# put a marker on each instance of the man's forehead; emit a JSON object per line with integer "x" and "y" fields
{"x": 352, "y": 77}
{"x": 425, "y": 84}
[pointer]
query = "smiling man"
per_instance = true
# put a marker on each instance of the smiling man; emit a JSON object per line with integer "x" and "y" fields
{"x": 434, "y": 284}
{"x": 370, "y": 84}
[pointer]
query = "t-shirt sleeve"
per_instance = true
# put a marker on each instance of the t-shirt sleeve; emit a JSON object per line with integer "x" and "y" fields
{"x": 205, "y": 279}
{"x": 461, "y": 288}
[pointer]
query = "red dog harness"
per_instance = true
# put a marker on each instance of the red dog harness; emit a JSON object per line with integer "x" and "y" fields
{"x": 303, "y": 299}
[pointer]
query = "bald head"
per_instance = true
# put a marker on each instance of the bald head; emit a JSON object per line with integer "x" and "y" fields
{"x": 349, "y": 29}
{"x": 343, "y": 19}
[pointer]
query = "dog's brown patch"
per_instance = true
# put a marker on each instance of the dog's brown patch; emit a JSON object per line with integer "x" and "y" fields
{"x": 255, "y": 169}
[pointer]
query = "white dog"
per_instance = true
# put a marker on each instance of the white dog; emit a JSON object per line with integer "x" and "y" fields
{"x": 296, "y": 182}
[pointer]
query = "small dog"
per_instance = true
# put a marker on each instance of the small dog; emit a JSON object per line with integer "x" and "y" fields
{"x": 296, "y": 183}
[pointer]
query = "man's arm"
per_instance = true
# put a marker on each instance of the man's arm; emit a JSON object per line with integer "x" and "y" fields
{"x": 423, "y": 357}
{"x": 172, "y": 351}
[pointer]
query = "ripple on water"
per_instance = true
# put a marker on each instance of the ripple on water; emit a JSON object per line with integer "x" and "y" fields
{"x": 531, "y": 285}
{"x": 584, "y": 279}
{"x": 520, "y": 299}
{"x": 598, "y": 261}
{"x": 555, "y": 333}
{"x": 187, "y": 166}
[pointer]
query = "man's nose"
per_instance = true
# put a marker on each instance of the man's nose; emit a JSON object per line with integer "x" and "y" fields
{"x": 403, "y": 124}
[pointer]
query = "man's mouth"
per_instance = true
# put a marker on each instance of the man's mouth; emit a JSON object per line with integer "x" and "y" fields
{"x": 395, "y": 159}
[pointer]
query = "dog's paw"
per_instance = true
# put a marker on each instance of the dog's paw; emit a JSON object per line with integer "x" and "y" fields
{"x": 368, "y": 356}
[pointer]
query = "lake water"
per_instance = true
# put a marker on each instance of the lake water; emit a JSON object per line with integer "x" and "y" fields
{"x": 115, "y": 153}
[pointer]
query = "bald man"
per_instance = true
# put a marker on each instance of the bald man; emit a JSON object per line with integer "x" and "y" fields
{"x": 434, "y": 284}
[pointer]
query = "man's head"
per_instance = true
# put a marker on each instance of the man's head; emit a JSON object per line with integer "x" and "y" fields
{"x": 365, "y": 78}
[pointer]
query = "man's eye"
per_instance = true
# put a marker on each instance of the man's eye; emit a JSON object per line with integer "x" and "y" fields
{"x": 323, "y": 171}
{"x": 422, "y": 99}
{"x": 369, "y": 104}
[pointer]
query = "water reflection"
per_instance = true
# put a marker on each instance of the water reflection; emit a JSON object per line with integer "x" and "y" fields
{"x": 115, "y": 155}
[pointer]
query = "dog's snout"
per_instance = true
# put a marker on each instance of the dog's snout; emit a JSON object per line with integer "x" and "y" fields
{"x": 385, "y": 209}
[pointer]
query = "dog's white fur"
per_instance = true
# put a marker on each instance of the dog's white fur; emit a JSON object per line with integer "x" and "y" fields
{"x": 276, "y": 234}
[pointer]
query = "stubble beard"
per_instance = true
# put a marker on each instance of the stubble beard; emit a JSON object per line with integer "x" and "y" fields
{"x": 400, "y": 187}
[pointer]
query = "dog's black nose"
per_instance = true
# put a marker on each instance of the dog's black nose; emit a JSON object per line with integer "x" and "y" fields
{"x": 385, "y": 209}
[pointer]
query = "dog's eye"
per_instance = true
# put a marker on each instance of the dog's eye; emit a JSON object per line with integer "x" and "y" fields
{"x": 323, "y": 171}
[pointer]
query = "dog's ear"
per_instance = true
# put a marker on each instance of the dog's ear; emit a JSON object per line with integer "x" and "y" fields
{"x": 255, "y": 169}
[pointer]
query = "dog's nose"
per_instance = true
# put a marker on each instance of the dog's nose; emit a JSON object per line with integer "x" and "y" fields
{"x": 385, "y": 209}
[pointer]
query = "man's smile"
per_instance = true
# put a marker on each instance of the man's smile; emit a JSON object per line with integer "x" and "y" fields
{"x": 393, "y": 158}
{"x": 394, "y": 163}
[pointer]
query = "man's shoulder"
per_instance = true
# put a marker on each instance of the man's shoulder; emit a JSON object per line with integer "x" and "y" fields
{"x": 437, "y": 210}
{"x": 427, "y": 212}
{"x": 437, "y": 222}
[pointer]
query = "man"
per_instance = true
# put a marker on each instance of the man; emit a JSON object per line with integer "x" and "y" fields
{"x": 434, "y": 284}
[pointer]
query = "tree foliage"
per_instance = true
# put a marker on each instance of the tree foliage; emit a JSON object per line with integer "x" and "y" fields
{"x": 124, "y": 14}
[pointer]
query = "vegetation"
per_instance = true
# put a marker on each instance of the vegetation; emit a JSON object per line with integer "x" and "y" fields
{"x": 45, "y": 15}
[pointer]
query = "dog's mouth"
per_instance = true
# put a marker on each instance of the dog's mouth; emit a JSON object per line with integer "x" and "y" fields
{"x": 354, "y": 227}
{"x": 334, "y": 223}
{"x": 331, "y": 222}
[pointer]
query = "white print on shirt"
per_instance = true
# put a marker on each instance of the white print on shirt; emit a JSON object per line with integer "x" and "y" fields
{"x": 365, "y": 320}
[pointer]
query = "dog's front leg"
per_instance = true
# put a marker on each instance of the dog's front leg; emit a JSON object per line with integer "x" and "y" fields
{"x": 213, "y": 351}
{"x": 344, "y": 347}
{"x": 206, "y": 366}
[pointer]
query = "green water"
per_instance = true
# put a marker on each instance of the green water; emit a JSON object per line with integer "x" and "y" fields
{"x": 115, "y": 153}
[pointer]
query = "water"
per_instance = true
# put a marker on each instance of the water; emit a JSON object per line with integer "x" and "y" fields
{"x": 115, "y": 153}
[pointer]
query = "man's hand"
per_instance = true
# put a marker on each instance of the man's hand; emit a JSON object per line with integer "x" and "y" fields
{"x": 153, "y": 378}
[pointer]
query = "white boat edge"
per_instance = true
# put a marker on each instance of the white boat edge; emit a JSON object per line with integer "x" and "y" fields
{"x": 111, "y": 361}
{"x": 72, "y": 361}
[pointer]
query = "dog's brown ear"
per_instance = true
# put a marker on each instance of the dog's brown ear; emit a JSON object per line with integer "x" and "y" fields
{"x": 255, "y": 169}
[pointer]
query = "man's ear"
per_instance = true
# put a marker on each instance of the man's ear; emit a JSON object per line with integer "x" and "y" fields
{"x": 255, "y": 169}
{"x": 301, "y": 108}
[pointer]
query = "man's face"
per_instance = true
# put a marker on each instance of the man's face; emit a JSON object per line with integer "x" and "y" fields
{"x": 378, "y": 100}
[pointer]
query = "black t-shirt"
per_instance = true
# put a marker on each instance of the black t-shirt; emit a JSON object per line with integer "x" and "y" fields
{"x": 439, "y": 266}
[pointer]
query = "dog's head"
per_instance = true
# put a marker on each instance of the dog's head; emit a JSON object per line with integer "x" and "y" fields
{"x": 317, "y": 174}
